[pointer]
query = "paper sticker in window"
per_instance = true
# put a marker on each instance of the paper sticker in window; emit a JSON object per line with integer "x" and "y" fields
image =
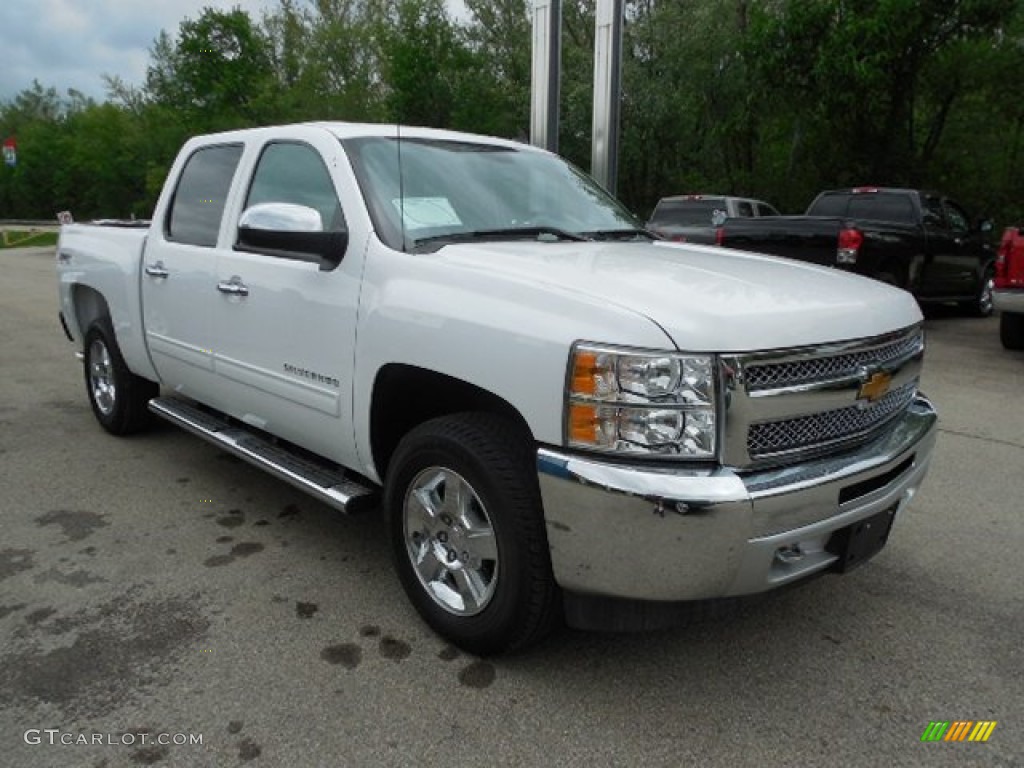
{"x": 426, "y": 212}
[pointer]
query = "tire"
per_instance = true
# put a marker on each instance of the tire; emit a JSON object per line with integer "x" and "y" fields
{"x": 981, "y": 305}
{"x": 468, "y": 533}
{"x": 118, "y": 397}
{"x": 1011, "y": 330}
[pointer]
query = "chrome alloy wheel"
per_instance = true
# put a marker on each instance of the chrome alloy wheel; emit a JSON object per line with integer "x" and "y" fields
{"x": 985, "y": 298}
{"x": 101, "y": 377}
{"x": 450, "y": 541}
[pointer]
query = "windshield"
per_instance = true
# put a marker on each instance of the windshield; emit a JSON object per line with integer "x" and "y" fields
{"x": 462, "y": 190}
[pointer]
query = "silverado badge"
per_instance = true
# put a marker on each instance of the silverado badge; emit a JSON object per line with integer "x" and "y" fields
{"x": 875, "y": 387}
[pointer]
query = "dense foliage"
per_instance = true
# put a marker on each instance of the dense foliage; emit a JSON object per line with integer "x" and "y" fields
{"x": 773, "y": 98}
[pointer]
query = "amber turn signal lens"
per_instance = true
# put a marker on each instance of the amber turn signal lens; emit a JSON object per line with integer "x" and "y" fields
{"x": 583, "y": 424}
{"x": 583, "y": 370}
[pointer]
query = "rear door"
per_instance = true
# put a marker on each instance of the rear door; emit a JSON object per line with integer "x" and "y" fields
{"x": 179, "y": 271}
{"x": 286, "y": 332}
{"x": 945, "y": 238}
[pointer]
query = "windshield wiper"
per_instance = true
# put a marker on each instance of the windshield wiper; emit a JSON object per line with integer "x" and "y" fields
{"x": 537, "y": 233}
{"x": 634, "y": 233}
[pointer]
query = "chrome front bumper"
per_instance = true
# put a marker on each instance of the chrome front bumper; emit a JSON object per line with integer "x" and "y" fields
{"x": 1008, "y": 301}
{"x": 640, "y": 532}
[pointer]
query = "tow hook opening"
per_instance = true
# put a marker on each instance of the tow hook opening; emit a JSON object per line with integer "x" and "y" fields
{"x": 789, "y": 554}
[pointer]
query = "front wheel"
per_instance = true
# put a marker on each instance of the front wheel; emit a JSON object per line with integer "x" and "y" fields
{"x": 468, "y": 532}
{"x": 118, "y": 397}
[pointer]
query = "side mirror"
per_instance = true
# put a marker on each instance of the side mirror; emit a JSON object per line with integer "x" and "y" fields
{"x": 984, "y": 224}
{"x": 290, "y": 231}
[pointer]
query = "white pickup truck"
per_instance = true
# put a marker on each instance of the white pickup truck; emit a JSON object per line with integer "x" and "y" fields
{"x": 559, "y": 416}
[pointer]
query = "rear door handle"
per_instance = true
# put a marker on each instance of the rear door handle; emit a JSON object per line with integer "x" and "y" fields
{"x": 157, "y": 270}
{"x": 233, "y": 287}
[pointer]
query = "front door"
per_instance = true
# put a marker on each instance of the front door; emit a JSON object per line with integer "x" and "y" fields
{"x": 285, "y": 328}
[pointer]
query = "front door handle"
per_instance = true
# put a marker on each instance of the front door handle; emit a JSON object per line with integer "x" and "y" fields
{"x": 157, "y": 270}
{"x": 233, "y": 287}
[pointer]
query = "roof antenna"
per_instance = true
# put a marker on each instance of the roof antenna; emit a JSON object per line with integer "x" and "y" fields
{"x": 401, "y": 186}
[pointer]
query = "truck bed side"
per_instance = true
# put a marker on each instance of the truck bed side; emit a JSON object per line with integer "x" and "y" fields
{"x": 807, "y": 238}
{"x": 98, "y": 273}
{"x": 881, "y": 249}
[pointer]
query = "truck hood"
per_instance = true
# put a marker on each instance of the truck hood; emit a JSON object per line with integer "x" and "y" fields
{"x": 705, "y": 298}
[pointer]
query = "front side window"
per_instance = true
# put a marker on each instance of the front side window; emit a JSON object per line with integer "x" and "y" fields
{"x": 199, "y": 198}
{"x": 956, "y": 217}
{"x": 295, "y": 173}
{"x": 422, "y": 191}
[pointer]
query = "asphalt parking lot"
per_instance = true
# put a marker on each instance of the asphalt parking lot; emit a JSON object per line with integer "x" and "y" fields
{"x": 154, "y": 586}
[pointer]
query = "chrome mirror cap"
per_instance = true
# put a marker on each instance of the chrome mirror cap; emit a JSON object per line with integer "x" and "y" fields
{"x": 281, "y": 217}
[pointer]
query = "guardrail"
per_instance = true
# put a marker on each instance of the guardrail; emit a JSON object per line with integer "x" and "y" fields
{"x": 29, "y": 224}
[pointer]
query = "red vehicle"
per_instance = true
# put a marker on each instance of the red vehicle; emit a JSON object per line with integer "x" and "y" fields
{"x": 1008, "y": 295}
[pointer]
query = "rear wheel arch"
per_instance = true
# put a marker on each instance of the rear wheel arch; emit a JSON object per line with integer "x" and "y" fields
{"x": 89, "y": 306}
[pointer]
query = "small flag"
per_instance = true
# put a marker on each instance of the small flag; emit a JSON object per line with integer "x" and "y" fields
{"x": 11, "y": 151}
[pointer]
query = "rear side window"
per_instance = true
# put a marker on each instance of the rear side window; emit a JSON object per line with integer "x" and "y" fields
{"x": 201, "y": 193}
{"x": 882, "y": 206}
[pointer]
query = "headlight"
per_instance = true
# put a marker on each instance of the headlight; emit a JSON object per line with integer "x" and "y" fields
{"x": 629, "y": 401}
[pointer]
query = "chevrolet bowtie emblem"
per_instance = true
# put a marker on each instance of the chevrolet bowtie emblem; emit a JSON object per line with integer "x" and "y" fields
{"x": 875, "y": 388}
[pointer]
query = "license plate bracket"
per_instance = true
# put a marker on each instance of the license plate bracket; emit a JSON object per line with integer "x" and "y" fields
{"x": 857, "y": 543}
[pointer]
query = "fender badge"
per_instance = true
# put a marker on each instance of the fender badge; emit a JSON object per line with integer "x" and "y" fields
{"x": 875, "y": 388}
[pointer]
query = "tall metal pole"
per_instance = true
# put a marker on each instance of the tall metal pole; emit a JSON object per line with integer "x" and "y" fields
{"x": 545, "y": 73}
{"x": 607, "y": 92}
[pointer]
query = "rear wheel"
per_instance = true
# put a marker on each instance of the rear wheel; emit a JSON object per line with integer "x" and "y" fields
{"x": 1011, "y": 330}
{"x": 118, "y": 397}
{"x": 981, "y": 305}
{"x": 468, "y": 532}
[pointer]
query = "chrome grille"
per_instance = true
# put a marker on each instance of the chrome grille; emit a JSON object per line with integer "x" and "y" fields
{"x": 802, "y": 433}
{"x": 816, "y": 369}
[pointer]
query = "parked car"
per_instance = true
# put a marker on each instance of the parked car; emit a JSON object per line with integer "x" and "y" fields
{"x": 555, "y": 412}
{"x": 694, "y": 218}
{"x": 1008, "y": 295}
{"x": 917, "y": 240}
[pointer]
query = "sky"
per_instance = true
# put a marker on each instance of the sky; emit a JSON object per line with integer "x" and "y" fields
{"x": 73, "y": 43}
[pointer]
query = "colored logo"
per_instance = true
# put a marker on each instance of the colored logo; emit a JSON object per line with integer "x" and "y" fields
{"x": 875, "y": 388}
{"x": 959, "y": 730}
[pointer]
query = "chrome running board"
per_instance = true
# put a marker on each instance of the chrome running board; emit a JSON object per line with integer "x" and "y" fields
{"x": 327, "y": 483}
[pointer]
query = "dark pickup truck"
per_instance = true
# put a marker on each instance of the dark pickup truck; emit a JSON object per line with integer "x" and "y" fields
{"x": 917, "y": 240}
